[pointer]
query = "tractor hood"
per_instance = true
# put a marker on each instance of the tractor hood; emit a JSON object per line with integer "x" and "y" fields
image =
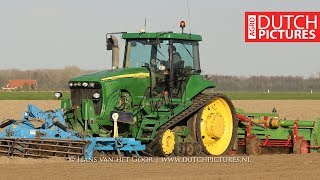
{"x": 113, "y": 74}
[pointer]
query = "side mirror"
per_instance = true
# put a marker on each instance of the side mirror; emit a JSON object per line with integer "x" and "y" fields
{"x": 109, "y": 44}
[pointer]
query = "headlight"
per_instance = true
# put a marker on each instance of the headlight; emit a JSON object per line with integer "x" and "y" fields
{"x": 96, "y": 96}
{"x": 70, "y": 84}
{"x": 58, "y": 94}
{"x": 85, "y": 84}
{"x": 91, "y": 84}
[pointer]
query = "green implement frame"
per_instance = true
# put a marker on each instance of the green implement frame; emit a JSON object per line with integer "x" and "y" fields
{"x": 267, "y": 130}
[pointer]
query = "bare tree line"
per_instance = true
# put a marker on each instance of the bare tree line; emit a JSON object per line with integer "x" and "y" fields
{"x": 57, "y": 79}
{"x": 48, "y": 79}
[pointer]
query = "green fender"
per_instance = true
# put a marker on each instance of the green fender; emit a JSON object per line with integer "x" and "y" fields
{"x": 195, "y": 85}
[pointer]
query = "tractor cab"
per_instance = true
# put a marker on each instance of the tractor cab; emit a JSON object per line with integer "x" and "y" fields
{"x": 170, "y": 57}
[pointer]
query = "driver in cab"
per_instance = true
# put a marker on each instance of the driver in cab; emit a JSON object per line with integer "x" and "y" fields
{"x": 177, "y": 61}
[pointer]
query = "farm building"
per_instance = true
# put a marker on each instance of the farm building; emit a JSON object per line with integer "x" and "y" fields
{"x": 26, "y": 84}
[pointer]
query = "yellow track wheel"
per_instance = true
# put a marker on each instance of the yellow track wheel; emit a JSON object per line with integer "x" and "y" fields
{"x": 217, "y": 126}
{"x": 167, "y": 142}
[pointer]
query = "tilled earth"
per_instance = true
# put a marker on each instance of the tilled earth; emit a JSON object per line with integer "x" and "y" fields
{"x": 283, "y": 166}
{"x": 290, "y": 109}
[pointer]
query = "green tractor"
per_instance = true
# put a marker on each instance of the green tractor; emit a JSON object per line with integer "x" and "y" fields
{"x": 157, "y": 97}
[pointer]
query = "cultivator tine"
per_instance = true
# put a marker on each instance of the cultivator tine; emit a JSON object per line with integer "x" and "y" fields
{"x": 42, "y": 148}
{"x": 5, "y": 146}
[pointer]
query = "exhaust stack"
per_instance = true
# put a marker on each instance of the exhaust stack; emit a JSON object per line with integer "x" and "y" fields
{"x": 112, "y": 44}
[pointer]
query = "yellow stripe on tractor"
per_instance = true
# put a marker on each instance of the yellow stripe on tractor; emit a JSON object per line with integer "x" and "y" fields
{"x": 136, "y": 75}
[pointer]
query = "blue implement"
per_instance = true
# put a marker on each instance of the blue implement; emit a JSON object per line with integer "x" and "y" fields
{"x": 53, "y": 138}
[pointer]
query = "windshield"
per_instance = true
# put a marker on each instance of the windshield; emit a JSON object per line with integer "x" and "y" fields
{"x": 188, "y": 54}
{"x": 141, "y": 52}
{"x": 155, "y": 52}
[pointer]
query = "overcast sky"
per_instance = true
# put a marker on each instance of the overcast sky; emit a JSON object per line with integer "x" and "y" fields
{"x": 57, "y": 33}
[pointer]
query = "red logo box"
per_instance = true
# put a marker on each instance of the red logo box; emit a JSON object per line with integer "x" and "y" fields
{"x": 282, "y": 27}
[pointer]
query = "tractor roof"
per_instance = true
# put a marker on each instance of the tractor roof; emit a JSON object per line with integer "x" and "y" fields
{"x": 162, "y": 35}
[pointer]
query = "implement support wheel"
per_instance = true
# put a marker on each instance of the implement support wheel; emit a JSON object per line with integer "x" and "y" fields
{"x": 300, "y": 147}
{"x": 253, "y": 146}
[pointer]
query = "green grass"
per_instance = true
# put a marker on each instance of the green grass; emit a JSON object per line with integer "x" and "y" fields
{"x": 45, "y": 95}
{"x": 30, "y": 95}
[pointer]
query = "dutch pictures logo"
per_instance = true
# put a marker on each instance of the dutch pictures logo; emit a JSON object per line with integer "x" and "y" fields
{"x": 282, "y": 27}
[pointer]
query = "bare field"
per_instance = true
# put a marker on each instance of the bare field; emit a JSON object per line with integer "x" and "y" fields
{"x": 290, "y": 109}
{"x": 287, "y": 166}
{"x": 284, "y": 166}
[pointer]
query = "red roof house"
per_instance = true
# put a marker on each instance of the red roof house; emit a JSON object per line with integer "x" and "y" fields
{"x": 20, "y": 83}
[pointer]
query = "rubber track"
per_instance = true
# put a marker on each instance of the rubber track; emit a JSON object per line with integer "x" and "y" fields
{"x": 154, "y": 147}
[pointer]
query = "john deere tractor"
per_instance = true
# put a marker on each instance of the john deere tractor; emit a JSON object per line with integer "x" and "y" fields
{"x": 158, "y": 97}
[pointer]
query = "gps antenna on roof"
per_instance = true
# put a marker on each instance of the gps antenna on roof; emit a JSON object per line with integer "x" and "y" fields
{"x": 189, "y": 16}
{"x": 143, "y": 30}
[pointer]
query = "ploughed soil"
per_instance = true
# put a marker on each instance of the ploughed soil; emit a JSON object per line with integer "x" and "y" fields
{"x": 271, "y": 166}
